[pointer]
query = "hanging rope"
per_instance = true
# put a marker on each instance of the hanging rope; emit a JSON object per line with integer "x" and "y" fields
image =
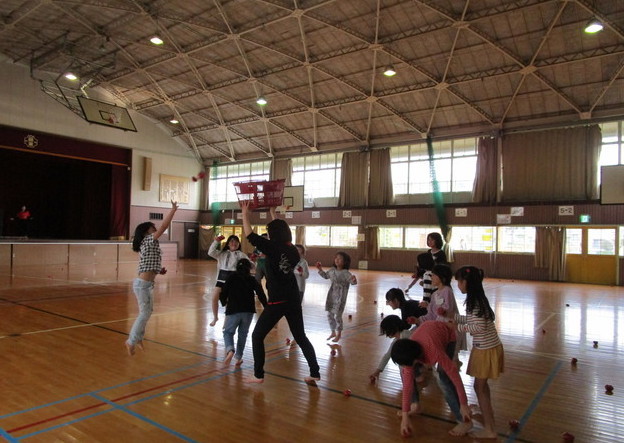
{"x": 437, "y": 195}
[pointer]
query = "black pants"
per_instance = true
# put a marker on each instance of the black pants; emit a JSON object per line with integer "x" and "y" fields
{"x": 268, "y": 319}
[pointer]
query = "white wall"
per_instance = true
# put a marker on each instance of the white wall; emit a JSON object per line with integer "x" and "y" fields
{"x": 24, "y": 105}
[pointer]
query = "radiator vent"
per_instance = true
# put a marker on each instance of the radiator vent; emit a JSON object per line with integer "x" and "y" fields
{"x": 156, "y": 216}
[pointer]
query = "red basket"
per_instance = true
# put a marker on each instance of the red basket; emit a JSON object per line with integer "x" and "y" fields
{"x": 264, "y": 194}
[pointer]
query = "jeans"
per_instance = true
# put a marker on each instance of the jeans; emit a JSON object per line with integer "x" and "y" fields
{"x": 144, "y": 292}
{"x": 447, "y": 386}
{"x": 240, "y": 321}
{"x": 269, "y": 318}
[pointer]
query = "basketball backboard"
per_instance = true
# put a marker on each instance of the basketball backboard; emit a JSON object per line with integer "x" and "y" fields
{"x": 293, "y": 199}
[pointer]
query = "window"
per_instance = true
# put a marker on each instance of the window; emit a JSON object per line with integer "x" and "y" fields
{"x": 416, "y": 238}
{"x": 222, "y": 179}
{"x": 454, "y": 162}
{"x": 601, "y": 241}
{"x": 335, "y": 236}
{"x": 574, "y": 241}
{"x": 408, "y": 237}
{"x": 345, "y": 236}
{"x": 473, "y": 238}
{"x": 611, "y": 150}
{"x": 516, "y": 239}
{"x": 390, "y": 237}
{"x": 319, "y": 175}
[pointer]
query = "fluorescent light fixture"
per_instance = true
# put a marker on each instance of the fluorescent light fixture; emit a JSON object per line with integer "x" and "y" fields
{"x": 594, "y": 26}
{"x": 174, "y": 121}
{"x": 71, "y": 76}
{"x": 156, "y": 40}
{"x": 261, "y": 101}
{"x": 389, "y": 71}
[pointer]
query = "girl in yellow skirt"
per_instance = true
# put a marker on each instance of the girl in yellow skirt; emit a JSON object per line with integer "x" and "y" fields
{"x": 487, "y": 358}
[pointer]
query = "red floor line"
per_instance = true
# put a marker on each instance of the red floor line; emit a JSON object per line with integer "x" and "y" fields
{"x": 134, "y": 394}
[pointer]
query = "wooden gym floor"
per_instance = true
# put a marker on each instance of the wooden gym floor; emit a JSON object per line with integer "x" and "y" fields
{"x": 65, "y": 375}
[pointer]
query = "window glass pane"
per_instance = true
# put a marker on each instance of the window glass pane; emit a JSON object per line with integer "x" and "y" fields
{"x": 298, "y": 163}
{"x": 464, "y": 146}
{"x": 390, "y": 237}
{"x": 416, "y": 238}
{"x": 621, "y": 241}
{"x": 574, "y": 241}
{"x": 608, "y": 155}
{"x": 320, "y": 183}
{"x": 399, "y": 178}
{"x": 297, "y": 178}
{"x": 344, "y": 236}
{"x": 419, "y": 175}
{"x": 399, "y": 153}
{"x": 441, "y": 149}
{"x": 443, "y": 174}
{"x": 313, "y": 162}
{"x": 419, "y": 152}
{"x": 516, "y": 239}
{"x": 609, "y": 132}
{"x": 464, "y": 171}
{"x": 473, "y": 238}
{"x": 601, "y": 241}
{"x": 317, "y": 235}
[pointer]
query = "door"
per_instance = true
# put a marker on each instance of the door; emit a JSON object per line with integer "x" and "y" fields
{"x": 191, "y": 240}
{"x": 591, "y": 255}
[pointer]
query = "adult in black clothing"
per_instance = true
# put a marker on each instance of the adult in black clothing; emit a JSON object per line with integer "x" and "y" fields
{"x": 238, "y": 298}
{"x": 410, "y": 309}
{"x": 284, "y": 301}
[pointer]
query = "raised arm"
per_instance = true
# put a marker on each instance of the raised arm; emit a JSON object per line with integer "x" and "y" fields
{"x": 167, "y": 220}
{"x": 246, "y": 223}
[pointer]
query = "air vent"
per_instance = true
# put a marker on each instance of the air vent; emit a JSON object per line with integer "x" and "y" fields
{"x": 156, "y": 216}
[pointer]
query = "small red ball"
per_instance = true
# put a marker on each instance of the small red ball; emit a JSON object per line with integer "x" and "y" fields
{"x": 567, "y": 437}
{"x": 287, "y": 341}
{"x": 347, "y": 392}
{"x": 514, "y": 424}
{"x": 333, "y": 352}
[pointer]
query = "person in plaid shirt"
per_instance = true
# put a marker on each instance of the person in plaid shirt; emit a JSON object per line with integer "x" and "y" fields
{"x": 145, "y": 242}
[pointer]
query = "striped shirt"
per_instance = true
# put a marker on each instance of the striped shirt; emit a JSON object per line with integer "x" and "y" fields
{"x": 149, "y": 255}
{"x": 482, "y": 330}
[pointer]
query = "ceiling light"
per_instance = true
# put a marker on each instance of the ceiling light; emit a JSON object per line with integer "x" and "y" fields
{"x": 389, "y": 71}
{"x": 594, "y": 26}
{"x": 174, "y": 121}
{"x": 71, "y": 76}
{"x": 156, "y": 40}
{"x": 261, "y": 101}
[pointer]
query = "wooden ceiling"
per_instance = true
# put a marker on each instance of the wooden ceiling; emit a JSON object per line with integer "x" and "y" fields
{"x": 463, "y": 67}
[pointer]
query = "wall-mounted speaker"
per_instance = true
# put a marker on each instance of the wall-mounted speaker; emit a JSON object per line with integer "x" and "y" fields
{"x": 147, "y": 173}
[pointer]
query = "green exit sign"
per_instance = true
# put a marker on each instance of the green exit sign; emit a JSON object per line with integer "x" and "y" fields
{"x": 584, "y": 218}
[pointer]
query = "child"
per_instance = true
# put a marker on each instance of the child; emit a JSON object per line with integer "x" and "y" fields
{"x": 284, "y": 301}
{"x": 432, "y": 342}
{"x": 424, "y": 265}
{"x": 443, "y": 306}
{"x": 410, "y": 309}
{"x": 226, "y": 264}
{"x": 260, "y": 260}
{"x": 340, "y": 278}
{"x": 302, "y": 271}
{"x": 392, "y": 327}
{"x": 145, "y": 242}
{"x": 237, "y": 296}
{"x": 487, "y": 358}
{"x": 435, "y": 243}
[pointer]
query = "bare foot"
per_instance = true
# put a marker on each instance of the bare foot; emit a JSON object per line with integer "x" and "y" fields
{"x": 483, "y": 434}
{"x": 414, "y": 410}
{"x": 239, "y": 362}
{"x": 311, "y": 381}
{"x": 461, "y": 429}
{"x": 253, "y": 379}
{"x": 214, "y": 321}
{"x": 228, "y": 358}
{"x": 333, "y": 334}
{"x": 130, "y": 348}
{"x": 337, "y": 338}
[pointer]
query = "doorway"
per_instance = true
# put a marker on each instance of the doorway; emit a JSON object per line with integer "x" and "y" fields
{"x": 592, "y": 255}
